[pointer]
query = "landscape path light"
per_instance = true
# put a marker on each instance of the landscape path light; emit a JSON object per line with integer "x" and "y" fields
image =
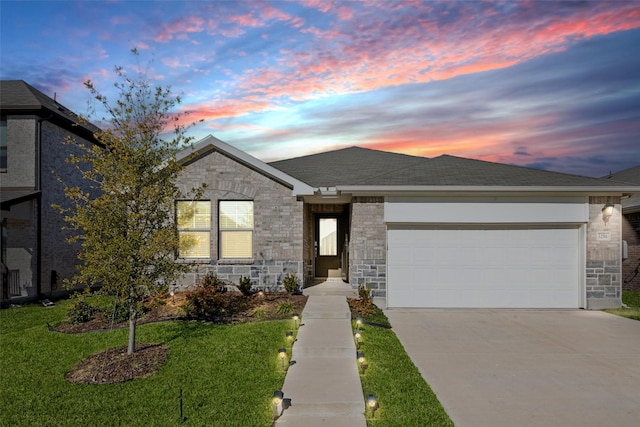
{"x": 296, "y": 319}
{"x": 289, "y": 336}
{"x": 358, "y": 336}
{"x": 372, "y": 403}
{"x": 360, "y": 357}
{"x": 283, "y": 355}
{"x": 358, "y": 322}
{"x": 278, "y": 397}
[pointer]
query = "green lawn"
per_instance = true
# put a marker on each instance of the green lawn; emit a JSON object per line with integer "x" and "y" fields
{"x": 405, "y": 399}
{"x": 632, "y": 300}
{"x": 227, "y": 373}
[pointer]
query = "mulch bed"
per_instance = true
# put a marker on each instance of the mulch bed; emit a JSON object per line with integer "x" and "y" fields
{"x": 116, "y": 366}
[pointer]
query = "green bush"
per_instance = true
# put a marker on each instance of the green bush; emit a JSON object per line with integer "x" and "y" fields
{"x": 206, "y": 300}
{"x": 291, "y": 282}
{"x": 245, "y": 286}
{"x": 80, "y": 311}
{"x": 285, "y": 307}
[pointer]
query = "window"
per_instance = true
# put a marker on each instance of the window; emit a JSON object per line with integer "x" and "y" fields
{"x": 328, "y": 236}
{"x": 3, "y": 144}
{"x": 236, "y": 229}
{"x": 194, "y": 228}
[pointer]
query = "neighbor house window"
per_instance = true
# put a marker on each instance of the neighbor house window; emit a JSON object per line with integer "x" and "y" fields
{"x": 194, "y": 228}
{"x": 3, "y": 144}
{"x": 236, "y": 229}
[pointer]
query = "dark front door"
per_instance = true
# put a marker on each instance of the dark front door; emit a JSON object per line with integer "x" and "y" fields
{"x": 329, "y": 243}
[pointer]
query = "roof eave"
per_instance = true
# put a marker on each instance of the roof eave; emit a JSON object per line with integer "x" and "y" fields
{"x": 425, "y": 190}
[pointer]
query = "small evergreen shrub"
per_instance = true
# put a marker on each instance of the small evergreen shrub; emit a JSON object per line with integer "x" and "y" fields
{"x": 245, "y": 286}
{"x": 291, "y": 283}
{"x": 80, "y": 311}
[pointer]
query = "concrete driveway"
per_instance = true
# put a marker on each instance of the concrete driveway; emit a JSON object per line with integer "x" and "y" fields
{"x": 526, "y": 367}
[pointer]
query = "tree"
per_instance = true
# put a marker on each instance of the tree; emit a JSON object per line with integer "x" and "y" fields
{"x": 125, "y": 222}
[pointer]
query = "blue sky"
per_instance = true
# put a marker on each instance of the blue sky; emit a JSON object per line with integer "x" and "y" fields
{"x": 551, "y": 85}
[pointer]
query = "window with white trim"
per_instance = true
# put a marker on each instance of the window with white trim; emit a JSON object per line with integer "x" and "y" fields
{"x": 236, "y": 229}
{"x": 193, "y": 220}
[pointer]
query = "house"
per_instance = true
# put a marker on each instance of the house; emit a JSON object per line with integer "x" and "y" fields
{"x": 35, "y": 254}
{"x": 630, "y": 230}
{"x": 440, "y": 232}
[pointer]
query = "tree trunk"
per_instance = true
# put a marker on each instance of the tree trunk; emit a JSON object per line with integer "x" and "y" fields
{"x": 132, "y": 329}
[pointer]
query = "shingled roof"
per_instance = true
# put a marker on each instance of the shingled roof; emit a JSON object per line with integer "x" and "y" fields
{"x": 631, "y": 176}
{"x": 357, "y": 166}
{"x": 19, "y": 97}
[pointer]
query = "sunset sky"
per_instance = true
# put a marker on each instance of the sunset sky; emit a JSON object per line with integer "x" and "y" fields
{"x": 544, "y": 84}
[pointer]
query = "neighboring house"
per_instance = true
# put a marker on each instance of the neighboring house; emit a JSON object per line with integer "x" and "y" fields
{"x": 630, "y": 230}
{"x": 441, "y": 232}
{"x": 35, "y": 254}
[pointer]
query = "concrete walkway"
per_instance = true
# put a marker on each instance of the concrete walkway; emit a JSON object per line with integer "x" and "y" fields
{"x": 324, "y": 384}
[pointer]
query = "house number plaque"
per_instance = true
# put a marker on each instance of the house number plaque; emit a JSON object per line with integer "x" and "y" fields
{"x": 603, "y": 235}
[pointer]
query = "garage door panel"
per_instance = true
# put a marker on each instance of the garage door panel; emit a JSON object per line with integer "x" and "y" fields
{"x": 511, "y": 268}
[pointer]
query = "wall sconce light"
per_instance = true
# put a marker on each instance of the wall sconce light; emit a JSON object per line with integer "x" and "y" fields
{"x": 360, "y": 357}
{"x": 358, "y": 337}
{"x": 607, "y": 211}
{"x": 282, "y": 353}
{"x": 296, "y": 318}
{"x": 372, "y": 403}
{"x": 278, "y": 397}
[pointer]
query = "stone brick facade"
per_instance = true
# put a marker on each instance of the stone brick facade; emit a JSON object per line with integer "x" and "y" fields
{"x": 37, "y": 245}
{"x": 631, "y": 265}
{"x": 278, "y": 222}
{"x": 368, "y": 244}
{"x": 604, "y": 258}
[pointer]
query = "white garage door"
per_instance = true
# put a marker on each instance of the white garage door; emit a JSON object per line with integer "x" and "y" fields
{"x": 502, "y": 268}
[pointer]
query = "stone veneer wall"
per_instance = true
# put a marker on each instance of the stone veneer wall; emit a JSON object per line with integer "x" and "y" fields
{"x": 367, "y": 245}
{"x": 278, "y": 223}
{"x": 631, "y": 265}
{"x": 604, "y": 257}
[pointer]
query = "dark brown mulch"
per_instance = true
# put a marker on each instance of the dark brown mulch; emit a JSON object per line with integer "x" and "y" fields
{"x": 116, "y": 366}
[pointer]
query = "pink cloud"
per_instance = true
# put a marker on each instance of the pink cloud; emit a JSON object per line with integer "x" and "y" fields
{"x": 189, "y": 24}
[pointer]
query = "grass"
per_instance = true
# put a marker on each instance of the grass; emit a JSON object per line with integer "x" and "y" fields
{"x": 227, "y": 373}
{"x": 632, "y": 300}
{"x": 404, "y": 398}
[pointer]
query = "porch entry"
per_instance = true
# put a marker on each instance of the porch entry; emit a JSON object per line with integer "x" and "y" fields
{"x": 330, "y": 244}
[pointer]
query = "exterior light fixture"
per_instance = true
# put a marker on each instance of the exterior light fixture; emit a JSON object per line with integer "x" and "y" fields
{"x": 172, "y": 294}
{"x": 278, "y": 398}
{"x": 289, "y": 336}
{"x": 282, "y": 353}
{"x": 372, "y": 403}
{"x": 360, "y": 357}
{"x": 296, "y": 318}
{"x": 607, "y": 211}
{"x": 358, "y": 337}
{"x": 358, "y": 322}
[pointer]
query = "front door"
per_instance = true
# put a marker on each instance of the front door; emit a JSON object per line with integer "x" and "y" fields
{"x": 328, "y": 244}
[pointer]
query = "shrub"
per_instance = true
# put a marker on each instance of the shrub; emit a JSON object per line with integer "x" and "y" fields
{"x": 291, "y": 282}
{"x": 245, "y": 286}
{"x": 212, "y": 280}
{"x": 364, "y": 304}
{"x": 206, "y": 300}
{"x": 80, "y": 311}
{"x": 285, "y": 307}
{"x": 260, "y": 313}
